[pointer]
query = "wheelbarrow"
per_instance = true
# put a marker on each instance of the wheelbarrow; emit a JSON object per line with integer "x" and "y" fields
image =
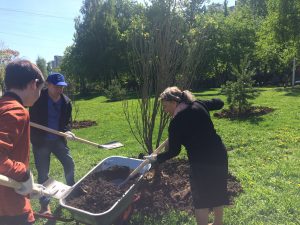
{"x": 120, "y": 209}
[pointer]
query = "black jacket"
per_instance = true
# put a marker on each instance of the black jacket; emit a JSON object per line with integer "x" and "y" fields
{"x": 193, "y": 128}
{"x": 39, "y": 114}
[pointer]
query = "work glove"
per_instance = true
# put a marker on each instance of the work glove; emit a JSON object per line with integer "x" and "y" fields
{"x": 38, "y": 191}
{"x": 70, "y": 135}
{"x": 27, "y": 186}
{"x": 152, "y": 158}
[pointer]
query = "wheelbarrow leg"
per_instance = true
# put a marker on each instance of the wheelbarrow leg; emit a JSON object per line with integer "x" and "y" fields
{"x": 125, "y": 216}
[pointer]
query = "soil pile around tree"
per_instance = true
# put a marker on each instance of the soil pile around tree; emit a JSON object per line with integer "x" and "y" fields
{"x": 83, "y": 124}
{"x": 172, "y": 190}
{"x": 98, "y": 192}
{"x": 254, "y": 111}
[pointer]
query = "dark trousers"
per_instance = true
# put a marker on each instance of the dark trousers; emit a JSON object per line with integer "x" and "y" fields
{"x": 14, "y": 220}
{"x": 42, "y": 162}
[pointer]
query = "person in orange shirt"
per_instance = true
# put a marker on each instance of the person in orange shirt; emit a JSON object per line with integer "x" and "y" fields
{"x": 23, "y": 81}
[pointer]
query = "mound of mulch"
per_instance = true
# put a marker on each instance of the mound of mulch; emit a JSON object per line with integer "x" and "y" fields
{"x": 83, "y": 124}
{"x": 171, "y": 191}
{"x": 254, "y": 111}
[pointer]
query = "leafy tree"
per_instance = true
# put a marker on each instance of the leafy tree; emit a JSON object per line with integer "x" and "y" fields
{"x": 100, "y": 47}
{"x": 41, "y": 64}
{"x": 71, "y": 67}
{"x": 209, "y": 31}
{"x": 164, "y": 54}
{"x": 279, "y": 38}
{"x": 6, "y": 56}
{"x": 258, "y": 7}
{"x": 191, "y": 9}
{"x": 227, "y": 40}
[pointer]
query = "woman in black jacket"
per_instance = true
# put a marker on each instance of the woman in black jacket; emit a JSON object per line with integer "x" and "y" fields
{"x": 191, "y": 126}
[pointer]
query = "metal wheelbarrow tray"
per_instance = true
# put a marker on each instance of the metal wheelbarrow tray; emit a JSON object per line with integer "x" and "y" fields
{"x": 109, "y": 216}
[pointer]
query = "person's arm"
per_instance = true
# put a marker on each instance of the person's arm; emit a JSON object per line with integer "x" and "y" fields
{"x": 174, "y": 145}
{"x": 9, "y": 132}
{"x": 213, "y": 104}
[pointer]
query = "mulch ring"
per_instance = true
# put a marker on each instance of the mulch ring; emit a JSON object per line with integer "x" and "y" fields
{"x": 254, "y": 111}
{"x": 83, "y": 124}
{"x": 172, "y": 190}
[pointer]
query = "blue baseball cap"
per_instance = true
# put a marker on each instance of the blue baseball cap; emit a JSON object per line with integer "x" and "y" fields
{"x": 57, "y": 79}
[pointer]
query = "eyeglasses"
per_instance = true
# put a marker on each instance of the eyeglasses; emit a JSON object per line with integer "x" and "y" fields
{"x": 39, "y": 83}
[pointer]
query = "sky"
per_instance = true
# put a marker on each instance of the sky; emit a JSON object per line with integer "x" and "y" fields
{"x": 41, "y": 27}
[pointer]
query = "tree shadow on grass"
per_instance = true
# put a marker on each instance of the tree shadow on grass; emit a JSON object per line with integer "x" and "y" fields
{"x": 87, "y": 96}
{"x": 289, "y": 91}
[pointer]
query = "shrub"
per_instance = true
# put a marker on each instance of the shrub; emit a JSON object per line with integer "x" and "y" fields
{"x": 240, "y": 91}
{"x": 115, "y": 92}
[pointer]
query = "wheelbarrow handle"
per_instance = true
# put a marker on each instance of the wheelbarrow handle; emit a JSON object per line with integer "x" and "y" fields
{"x": 144, "y": 163}
{"x": 9, "y": 182}
{"x": 63, "y": 134}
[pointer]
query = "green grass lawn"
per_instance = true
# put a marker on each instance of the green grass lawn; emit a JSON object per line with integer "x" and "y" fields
{"x": 265, "y": 156}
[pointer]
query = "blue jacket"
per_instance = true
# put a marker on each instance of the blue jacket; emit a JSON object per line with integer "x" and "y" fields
{"x": 39, "y": 114}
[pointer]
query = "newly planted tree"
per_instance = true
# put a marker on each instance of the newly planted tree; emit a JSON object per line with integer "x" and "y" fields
{"x": 240, "y": 91}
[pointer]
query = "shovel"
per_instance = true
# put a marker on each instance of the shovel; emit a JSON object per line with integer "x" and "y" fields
{"x": 144, "y": 163}
{"x": 53, "y": 191}
{"x": 110, "y": 145}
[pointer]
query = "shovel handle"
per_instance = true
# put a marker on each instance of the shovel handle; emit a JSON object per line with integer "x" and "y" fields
{"x": 145, "y": 162}
{"x": 9, "y": 182}
{"x": 62, "y": 134}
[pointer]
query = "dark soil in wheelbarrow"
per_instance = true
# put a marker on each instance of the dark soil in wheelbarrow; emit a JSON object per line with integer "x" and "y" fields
{"x": 99, "y": 191}
{"x": 171, "y": 191}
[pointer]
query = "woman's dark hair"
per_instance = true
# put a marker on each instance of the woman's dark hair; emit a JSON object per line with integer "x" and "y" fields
{"x": 20, "y": 72}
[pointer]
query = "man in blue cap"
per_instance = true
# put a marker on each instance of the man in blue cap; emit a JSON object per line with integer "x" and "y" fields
{"x": 54, "y": 110}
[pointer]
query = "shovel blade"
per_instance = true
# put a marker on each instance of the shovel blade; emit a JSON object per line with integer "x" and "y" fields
{"x": 55, "y": 188}
{"x": 111, "y": 145}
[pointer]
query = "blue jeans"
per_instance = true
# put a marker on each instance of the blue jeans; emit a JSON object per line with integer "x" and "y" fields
{"x": 42, "y": 155}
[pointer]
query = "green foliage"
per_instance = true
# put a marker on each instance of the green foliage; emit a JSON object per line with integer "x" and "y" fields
{"x": 240, "y": 91}
{"x": 115, "y": 92}
{"x": 279, "y": 37}
{"x": 41, "y": 64}
{"x": 258, "y": 7}
{"x": 6, "y": 55}
{"x": 213, "y": 34}
{"x": 100, "y": 49}
{"x": 265, "y": 158}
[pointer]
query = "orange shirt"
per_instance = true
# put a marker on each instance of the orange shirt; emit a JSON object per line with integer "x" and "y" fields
{"x": 14, "y": 155}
